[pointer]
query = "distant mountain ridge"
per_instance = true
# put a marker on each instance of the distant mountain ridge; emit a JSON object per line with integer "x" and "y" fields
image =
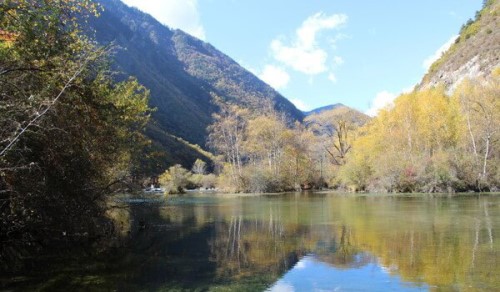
{"x": 182, "y": 73}
{"x": 330, "y": 113}
{"x": 476, "y": 51}
{"x": 322, "y": 109}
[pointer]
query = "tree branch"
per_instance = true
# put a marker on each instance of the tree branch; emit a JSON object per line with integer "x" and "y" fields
{"x": 51, "y": 104}
{"x": 6, "y": 71}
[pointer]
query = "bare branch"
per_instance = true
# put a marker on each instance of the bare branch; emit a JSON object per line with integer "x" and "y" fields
{"x": 51, "y": 104}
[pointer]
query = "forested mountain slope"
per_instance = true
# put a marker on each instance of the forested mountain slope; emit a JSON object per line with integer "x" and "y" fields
{"x": 183, "y": 73}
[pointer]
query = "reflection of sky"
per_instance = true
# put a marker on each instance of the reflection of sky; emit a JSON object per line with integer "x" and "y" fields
{"x": 309, "y": 274}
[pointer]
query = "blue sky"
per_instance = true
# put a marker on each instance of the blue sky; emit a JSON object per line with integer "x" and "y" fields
{"x": 320, "y": 52}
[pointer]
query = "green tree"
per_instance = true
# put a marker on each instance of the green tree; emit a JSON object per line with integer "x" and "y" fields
{"x": 68, "y": 133}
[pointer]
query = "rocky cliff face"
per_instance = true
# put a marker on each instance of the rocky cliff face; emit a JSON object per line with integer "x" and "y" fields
{"x": 475, "y": 53}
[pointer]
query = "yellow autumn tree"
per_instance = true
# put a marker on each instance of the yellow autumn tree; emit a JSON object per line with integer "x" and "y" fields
{"x": 479, "y": 102}
{"x": 417, "y": 143}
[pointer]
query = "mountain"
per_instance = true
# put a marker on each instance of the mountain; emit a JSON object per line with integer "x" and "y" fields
{"x": 476, "y": 51}
{"x": 330, "y": 114}
{"x": 182, "y": 72}
{"x": 323, "y": 108}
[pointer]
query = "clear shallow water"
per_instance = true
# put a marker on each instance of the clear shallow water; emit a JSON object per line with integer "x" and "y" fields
{"x": 293, "y": 242}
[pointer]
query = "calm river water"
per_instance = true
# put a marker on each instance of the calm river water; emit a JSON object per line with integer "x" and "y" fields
{"x": 295, "y": 242}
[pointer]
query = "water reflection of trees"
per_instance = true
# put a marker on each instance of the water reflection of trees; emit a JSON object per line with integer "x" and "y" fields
{"x": 244, "y": 247}
{"x": 273, "y": 242}
{"x": 443, "y": 242}
{"x": 342, "y": 251}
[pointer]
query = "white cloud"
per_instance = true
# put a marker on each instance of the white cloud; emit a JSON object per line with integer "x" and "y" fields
{"x": 408, "y": 89}
{"x": 182, "y": 14}
{"x": 382, "y": 100}
{"x": 306, "y": 34}
{"x": 282, "y": 286}
{"x": 385, "y": 99}
{"x": 338, "y": 60}
{"x": 300, "y": 104}
{"x": 304, "y": 54}
{"x": 308, "y": 61}
{"x": 332, "y": 77}
{"x": 333, "y": 40}
{"x": 434, "y": 57}
{"x": 300, "y": 265}
{"x": 275, "y": 76}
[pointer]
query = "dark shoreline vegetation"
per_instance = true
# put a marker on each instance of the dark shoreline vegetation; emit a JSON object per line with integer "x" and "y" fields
{"x": 71, "y": 135}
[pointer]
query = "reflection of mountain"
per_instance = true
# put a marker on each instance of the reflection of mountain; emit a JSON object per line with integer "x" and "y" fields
{"x": 246, "y": 244}
{"x": 422, "y": 240}
{"x": 312, "y": 274}
{"x": 341, "y": 252}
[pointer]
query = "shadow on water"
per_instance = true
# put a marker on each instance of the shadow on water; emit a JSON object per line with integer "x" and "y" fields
{"x": 257, "y": 243}
{"x": 177, "y": 244}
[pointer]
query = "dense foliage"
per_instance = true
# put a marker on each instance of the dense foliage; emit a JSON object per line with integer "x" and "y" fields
{"x": 268, "y": 153}
{"x": 427, "y": 141}
{"x": 431, "y": 142}
{"x": 68, "y": 133}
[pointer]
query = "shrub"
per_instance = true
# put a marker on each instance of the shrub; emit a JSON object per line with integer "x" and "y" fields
{"x": 175, "y": 179}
